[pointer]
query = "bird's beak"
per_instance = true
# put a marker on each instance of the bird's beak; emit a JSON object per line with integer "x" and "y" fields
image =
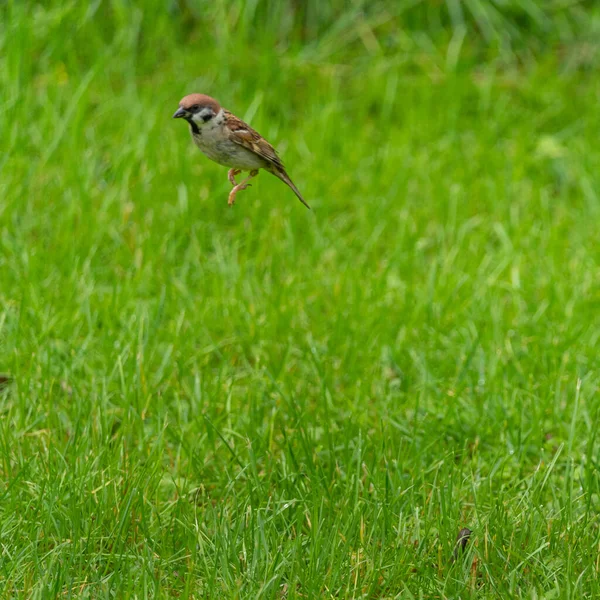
{"x": 179, "y": 113}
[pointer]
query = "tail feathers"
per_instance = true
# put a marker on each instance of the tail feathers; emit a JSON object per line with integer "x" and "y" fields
{"x": 285, "y": 178}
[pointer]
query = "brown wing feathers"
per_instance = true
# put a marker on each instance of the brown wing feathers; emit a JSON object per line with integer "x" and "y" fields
{"x": 245, "y": 136}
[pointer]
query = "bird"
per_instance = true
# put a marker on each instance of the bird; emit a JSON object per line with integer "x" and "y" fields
{"x": 228, "y": 141}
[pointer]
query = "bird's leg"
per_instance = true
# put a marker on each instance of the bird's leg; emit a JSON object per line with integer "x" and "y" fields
{"x": 232, "y": 173}
{"x": 241, "y": 186}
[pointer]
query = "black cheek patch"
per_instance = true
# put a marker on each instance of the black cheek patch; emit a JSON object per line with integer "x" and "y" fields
{"x": 207, "y": 118}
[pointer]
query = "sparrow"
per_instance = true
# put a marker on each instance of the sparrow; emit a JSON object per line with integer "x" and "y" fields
{"x": 230, "y": 142}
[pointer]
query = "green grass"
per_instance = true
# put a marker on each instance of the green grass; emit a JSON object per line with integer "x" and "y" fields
{"x": 267, "y": 402}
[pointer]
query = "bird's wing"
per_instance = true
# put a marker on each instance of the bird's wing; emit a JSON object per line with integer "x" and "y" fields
{"x": 245, "y": 136}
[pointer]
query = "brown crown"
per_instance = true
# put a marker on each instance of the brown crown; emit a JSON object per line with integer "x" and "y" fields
{"x": 200, "y": 99}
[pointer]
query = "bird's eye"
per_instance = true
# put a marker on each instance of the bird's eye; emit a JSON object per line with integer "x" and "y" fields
{"x": 194, "y": 108}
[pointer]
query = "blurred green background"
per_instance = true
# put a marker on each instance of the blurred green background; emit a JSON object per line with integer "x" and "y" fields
{"x": 267, "y": 402}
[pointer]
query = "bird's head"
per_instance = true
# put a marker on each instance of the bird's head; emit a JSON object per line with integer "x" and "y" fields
{"x": 197, "y": 109}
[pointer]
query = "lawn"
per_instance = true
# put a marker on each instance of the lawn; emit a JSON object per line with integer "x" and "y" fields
{"x": 263, "y": 401}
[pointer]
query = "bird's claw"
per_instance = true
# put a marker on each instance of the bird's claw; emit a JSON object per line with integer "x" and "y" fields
{"x": 240, "y": 187}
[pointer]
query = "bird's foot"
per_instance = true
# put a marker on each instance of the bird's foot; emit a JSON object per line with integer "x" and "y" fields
{"x": 240, "y": 186}
{"x": 231, "y": 176}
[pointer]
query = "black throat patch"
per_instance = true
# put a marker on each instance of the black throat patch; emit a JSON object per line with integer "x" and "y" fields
{"x": 195, "y": 129}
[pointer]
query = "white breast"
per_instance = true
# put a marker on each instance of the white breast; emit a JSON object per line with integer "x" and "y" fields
{"x": 214, "y": 142}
